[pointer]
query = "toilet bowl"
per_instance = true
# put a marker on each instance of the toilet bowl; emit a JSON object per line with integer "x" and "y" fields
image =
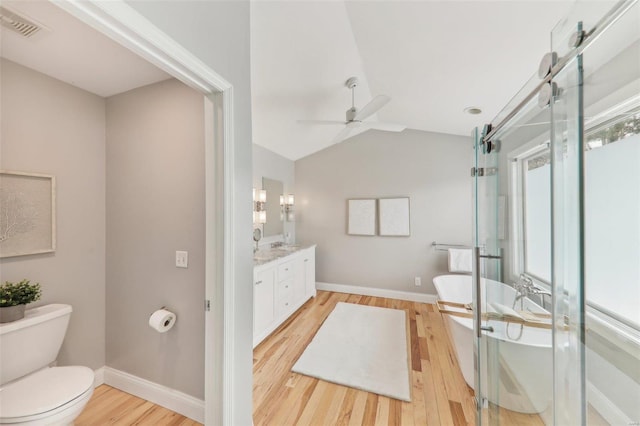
{"x": 51, "y": 396}
{"x": 31, "y": 392}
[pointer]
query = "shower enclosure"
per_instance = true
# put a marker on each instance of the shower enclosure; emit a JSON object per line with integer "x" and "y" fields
{"x": 557, "y": 217}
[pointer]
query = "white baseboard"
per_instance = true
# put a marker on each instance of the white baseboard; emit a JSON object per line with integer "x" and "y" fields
{"x": 98, "y": 377}
{"x": 378, "y": 292}
{"x": 607, "y": 409}
{"x": 158, "y": 394}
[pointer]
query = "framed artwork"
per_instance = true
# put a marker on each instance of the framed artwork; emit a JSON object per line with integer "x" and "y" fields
{"x": 394, "y": 217}
{"x": 27, "y": 214}
{"x": 361, "y": 217}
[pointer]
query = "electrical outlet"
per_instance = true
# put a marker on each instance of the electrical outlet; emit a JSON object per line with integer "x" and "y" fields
{"x": 182, "y": 259}
{"x": 418, "y": 281}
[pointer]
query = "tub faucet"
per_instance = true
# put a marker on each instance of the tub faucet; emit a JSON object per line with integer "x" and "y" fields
{"x": 525, "y": 287}
{"x": 540, "y": 292}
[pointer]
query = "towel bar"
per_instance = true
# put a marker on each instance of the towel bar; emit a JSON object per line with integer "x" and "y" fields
{"x": 445, "y": 247}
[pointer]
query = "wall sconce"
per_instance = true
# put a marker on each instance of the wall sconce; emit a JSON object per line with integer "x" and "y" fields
{"x": 286, "y": 206}
{"x": 259, "y": 211}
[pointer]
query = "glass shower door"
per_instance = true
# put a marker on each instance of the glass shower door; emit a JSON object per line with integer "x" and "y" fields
{"x": 514, "y": 374}
{"x": 558, "y": 183}
{"x": 596, "y": 199}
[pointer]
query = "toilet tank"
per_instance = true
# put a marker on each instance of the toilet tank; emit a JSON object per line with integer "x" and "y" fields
{"x": 33, "y": 342}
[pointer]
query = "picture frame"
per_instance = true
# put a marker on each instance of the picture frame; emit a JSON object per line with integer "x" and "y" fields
{"x": 27, "y": 213}
{"x": 394, "y": 217}
{"x": 361, "y": 216}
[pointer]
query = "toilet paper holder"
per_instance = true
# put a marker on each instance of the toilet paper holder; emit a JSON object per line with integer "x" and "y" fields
{"x": 164, "y": 307}
{"x": 162, "y": 320}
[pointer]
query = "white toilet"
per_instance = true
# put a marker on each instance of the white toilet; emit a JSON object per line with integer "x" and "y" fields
{"x": 31, "y": 392}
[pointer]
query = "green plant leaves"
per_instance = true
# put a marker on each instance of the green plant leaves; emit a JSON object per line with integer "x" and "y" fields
{"x": 12, "y": 294}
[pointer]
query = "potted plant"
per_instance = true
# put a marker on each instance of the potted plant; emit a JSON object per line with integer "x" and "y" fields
{"x": 14, "y": 297}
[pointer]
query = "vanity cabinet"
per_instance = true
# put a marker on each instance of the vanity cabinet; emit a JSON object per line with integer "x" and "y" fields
{"x": 263, "y": 312}
{"x": 280, "y": 287}
{"x": 309, "y": 262}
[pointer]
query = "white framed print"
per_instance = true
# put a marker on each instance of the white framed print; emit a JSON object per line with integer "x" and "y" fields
{"x": 361, "y": 217}
{"x": 27, "y": 213}
{"x": 394, "y": 217}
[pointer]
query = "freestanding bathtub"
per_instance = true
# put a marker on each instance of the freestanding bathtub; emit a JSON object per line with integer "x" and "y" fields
{"x": 522, "y": 356}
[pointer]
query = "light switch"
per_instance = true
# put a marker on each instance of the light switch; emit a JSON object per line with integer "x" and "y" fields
{"x": 182, "y": 259}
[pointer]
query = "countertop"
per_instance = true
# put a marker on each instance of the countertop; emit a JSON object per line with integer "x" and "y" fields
{"x": 266, "y": 255}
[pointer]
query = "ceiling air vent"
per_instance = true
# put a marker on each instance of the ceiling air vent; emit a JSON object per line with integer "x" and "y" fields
{"x": 18, "y": 23}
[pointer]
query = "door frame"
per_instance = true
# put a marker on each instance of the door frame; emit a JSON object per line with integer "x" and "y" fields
{"x": 127, "y": 27}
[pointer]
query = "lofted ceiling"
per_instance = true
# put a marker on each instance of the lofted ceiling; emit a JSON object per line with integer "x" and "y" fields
{"x": 70, "y": 51}
{"x": 433, "y": 58}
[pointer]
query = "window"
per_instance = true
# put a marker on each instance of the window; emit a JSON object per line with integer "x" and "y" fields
{"x": 531, "y": 184}
{"x": 536, "y": 180}
{"x": 612, "y": 215}
{"x": 612, "y": 218}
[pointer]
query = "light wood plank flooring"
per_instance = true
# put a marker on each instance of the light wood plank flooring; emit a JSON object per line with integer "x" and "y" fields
{"x": 440, "y": 395}
{"x": 110, "y": 406}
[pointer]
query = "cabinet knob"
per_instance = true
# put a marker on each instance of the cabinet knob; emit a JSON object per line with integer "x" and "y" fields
{"x": 286, "y": 286}
{"x": 306, "y": 260}
{"x": 286, "y": 269}
{"x": 258, "y": 282}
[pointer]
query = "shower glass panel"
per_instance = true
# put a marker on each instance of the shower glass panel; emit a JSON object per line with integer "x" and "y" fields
{"x": 557, "y": 210}
{"x": 515, "y": 373}
{"x": 568, "y": 265}
{"x": 611, "y": 149}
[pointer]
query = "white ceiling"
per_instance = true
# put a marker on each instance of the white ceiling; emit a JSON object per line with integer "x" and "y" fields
{"x": 433, "y": 58}
{"x": 70, "y": 51}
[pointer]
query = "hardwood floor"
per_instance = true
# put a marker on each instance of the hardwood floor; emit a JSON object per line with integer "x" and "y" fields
{"x": 440, "y": 396}
{"x": 110, "y": 406}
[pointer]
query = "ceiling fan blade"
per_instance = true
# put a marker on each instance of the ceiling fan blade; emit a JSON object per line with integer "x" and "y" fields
{"x": 372, "y": 107}
{"x": 387, "y": 127}
{"x": 344, "y": 133}
{"x": 322, "y": 122}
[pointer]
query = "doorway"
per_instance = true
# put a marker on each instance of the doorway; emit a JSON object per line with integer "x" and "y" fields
{"x": 120, "y": 22}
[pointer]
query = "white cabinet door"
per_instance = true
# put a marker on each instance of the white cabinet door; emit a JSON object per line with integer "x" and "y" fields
{"x": 299, "y": 286}
{"x": 263, "y": 300}
{"x": 309, "y": 259}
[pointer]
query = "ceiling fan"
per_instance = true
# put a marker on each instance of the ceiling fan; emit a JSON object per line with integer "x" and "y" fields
{"x": 355, "y": 116}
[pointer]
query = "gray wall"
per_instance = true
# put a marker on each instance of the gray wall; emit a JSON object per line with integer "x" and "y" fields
{"x": 51, "y": 127}
{"x": 218, "y": 33}
{"x": 274, "y": 166}
{"x": 430, "y": 168}
{"x": 155, "y": 206}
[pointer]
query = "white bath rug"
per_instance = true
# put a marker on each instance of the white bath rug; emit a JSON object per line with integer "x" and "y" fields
{"x": 364, "y": 347}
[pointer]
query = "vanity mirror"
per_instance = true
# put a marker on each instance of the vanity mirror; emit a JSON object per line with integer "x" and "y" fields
{"x": 274, "y": 225}
{"x": 257, "y": 236}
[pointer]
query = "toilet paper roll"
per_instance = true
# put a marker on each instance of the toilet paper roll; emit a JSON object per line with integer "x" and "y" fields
{"x": 162, "y": 320}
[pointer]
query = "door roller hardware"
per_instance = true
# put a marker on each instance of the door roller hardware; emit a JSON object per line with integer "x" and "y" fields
{"x": 484, "y": 171}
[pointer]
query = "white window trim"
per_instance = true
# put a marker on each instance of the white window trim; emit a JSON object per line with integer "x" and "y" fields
{"x": 516, "y": 205}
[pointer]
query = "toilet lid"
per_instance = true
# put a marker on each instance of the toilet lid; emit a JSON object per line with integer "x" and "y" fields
{"x": 43, "y": 391}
